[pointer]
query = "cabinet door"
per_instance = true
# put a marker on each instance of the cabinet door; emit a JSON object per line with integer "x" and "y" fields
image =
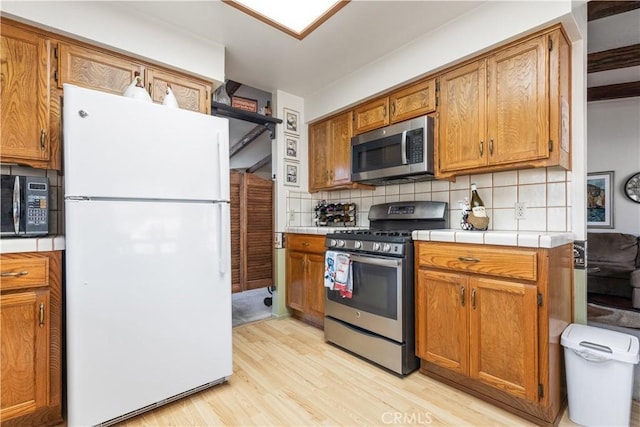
{"x": 319, "y": 156}
{"x": 191, "y": 93}
{"x": 295, "y": 279}
{"x": 518, "y": 108}
{"x": 442, "y": 320}
{"x": 372, "y": 115}
{"x": 315, "y": 291}
{"x": 503, "y": 336}
{"x": 414, "y": 101}
{"x": 95, "y": 69}
{"x": 340, "y": 148}
{"x": 24, "y": 84}
{"x": 24, "y": 329}
{"x": 462, "y": 123}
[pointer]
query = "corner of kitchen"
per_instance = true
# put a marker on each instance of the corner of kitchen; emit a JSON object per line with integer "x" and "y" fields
{"x": 404, "y": 243}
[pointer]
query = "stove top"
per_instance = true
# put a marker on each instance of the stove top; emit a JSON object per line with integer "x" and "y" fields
{"x": 390, "y": 229}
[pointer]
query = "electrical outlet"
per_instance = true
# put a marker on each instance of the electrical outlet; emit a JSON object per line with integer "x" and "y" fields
{"x": 521, "y": 210}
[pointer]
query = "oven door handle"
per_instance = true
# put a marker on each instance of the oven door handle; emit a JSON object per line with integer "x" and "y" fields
{"x": 384, "y": 262}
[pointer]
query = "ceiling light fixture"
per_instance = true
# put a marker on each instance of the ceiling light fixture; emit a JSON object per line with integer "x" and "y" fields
{"x": 294, "y": 17}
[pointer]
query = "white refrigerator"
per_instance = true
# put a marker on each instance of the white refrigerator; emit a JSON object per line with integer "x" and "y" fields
{"x": 147, "y": 262}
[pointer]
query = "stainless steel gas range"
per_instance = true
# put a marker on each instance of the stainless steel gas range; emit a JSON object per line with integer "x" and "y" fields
{"x": 377, "y": 321}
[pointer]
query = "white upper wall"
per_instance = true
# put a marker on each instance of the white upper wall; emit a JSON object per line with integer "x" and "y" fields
{"x": 614, "y": 133}
{"x": 106, "y": 24}
{"x": 487, "y": 26}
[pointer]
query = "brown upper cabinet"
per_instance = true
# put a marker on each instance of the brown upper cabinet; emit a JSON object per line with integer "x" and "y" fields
{"x": 96, "y": 69}
{"x": 412, "y": 101}
{"x": 507, "y": 110}
{"x": 25, "y": 109}
{"x": 330, "y": 154}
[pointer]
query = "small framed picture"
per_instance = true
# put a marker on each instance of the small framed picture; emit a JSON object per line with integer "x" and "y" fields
{"x": 291, "y": 147}
{"x": 600, "y": 200}
{"x": 291, "y": 176}
{"x": 291, "y": 122}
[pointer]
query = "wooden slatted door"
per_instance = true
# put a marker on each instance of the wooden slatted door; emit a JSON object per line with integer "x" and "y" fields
{"x": 251, "y": 232}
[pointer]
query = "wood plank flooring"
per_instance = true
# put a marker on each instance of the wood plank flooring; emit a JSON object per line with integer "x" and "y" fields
{"x": 286, "y": 375}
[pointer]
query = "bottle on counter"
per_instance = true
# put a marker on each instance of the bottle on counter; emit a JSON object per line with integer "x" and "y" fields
{"x": 267, "y": 109}
{"x": 477, "y": 205}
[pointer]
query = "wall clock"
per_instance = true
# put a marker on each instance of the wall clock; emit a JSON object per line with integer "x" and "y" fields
{"x": 632, "y": 187}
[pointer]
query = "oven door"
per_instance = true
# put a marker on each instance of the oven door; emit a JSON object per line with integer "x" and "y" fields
{"x": 376, "y": 304}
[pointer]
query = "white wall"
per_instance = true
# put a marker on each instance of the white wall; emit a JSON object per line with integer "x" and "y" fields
{"x": 614, "y": 145}
{"x": 107, "y": 24}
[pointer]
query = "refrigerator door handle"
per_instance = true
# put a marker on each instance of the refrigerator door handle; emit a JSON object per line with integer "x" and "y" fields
{"x": 220, "y": 154}
{"x": 221, "y": 242}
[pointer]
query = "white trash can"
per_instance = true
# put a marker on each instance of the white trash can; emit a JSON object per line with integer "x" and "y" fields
{"x": 599, "y": 365}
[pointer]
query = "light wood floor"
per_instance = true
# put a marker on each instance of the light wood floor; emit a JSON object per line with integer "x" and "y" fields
{"x": 286, "y": 375}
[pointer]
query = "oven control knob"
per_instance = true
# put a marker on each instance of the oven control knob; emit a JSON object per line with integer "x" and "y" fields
{"x": 333, "y": 242}
{"x": 386, "y": 247}
{"x": 357, "y": 244}
{"x": 341, "y": 243}
{"x": 376, "y": 246}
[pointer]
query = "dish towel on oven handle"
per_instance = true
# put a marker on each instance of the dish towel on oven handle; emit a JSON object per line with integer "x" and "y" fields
{"x": 344, "y": 275}
{"x": 330, "y": 270}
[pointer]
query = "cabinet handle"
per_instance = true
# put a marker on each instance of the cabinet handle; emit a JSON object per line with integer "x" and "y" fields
{"x": 462, "y": 298}
{"x": 393, "y": 108}
{"x": 468, "y": 259}
{"x": 14, "y": 274}
{"x": 491, "y": 146}
{"x": 473, "y": 298}
{"x": 43, "y": 139}
{"x": 305, "y": 243}
{"x": 150, "y": 89}
{"x": 41, "y": 315}
{"x": 384, "y": 111}
{"x": 481, "y": 148}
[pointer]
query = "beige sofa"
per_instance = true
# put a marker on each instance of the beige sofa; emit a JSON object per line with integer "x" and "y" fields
{"x": 613, "y": 265}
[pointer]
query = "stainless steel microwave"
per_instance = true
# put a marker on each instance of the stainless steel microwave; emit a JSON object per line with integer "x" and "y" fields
{"x": 399, "y": 152}
{"x": 25, "y": 206}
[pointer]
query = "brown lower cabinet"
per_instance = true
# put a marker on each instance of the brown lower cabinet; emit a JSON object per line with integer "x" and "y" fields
{"x": 489, "y": 320}
{"x": 305, "y": 277}
{"x": 30, "y": 326}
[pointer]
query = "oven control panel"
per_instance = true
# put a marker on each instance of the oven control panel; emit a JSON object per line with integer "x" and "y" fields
{"x": 387, "y": 248}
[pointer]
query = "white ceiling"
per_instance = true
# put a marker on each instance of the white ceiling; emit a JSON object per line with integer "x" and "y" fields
{"x": 263, "y": 57}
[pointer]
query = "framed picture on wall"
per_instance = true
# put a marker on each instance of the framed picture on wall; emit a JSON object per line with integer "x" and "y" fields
{"x": 600, "y": 199}
{"x": 291, "y": 147}
{"x": 291, "y": 122}
{"x": 291, "y": 174}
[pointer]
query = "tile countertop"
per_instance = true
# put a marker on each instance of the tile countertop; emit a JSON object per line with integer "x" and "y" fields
{"x": 529, "y": 239}
{"x": 35, "y": 244}
{"x": 320, "y": 230}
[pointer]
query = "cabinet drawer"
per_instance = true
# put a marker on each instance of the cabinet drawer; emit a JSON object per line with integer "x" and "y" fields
{"x": 490, "y": 260}
{"x": 305, "y": 243}
{"x": 24, "y": 273}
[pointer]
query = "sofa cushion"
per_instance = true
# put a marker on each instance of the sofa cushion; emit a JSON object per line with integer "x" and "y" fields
{"x": 612, "y": 251}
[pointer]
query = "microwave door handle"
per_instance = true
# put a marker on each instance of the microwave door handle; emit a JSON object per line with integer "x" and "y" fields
{"x": 16, "y": 205}
{"x": 403, "y": 147}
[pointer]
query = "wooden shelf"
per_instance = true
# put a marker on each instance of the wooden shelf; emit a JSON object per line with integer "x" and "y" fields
{"x": 224, "y": 110}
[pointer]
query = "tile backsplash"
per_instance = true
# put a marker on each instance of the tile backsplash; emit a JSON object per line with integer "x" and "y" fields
{"x": 56, "y": 193}
{"x": 545, "y": 191}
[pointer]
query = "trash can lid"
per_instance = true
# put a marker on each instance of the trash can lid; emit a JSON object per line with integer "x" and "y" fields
{"x": 601, "y": 342}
